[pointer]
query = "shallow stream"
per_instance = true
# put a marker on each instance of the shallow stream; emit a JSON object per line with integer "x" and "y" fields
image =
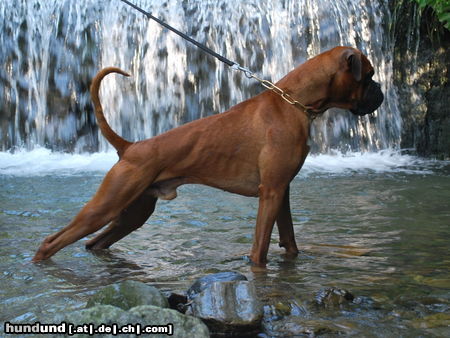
{"x": 375, "y": 224}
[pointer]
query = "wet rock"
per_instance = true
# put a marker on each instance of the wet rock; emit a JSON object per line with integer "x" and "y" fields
{"x": 206, "y": 281}
{"x": 332, "y": 297}
{"x": 183, "y": 326}
{"x": 228, "y": 308}
{"x": 421, "y": 79}
{"x": 129, "y": 294}
{"x": 177, "y": 302}
{"x": 283, "y": 309}
{"x": 105, "y": 315}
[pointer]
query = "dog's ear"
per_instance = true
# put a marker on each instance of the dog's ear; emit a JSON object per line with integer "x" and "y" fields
{"x": 353, "y": 60}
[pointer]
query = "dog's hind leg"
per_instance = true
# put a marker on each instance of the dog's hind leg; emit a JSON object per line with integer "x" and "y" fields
{"x": 130, "y": 219}
{"x": 122, "y": 185}
{"x": 285, "y": 226}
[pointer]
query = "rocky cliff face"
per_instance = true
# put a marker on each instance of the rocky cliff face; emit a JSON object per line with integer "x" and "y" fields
{"x": 421, "y": 75}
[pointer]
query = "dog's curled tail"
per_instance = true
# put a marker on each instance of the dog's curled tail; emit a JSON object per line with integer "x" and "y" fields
{"x": 116, "y": 141}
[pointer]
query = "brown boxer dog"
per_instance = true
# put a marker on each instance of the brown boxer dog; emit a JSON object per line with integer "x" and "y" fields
{"x": 254, "y": 149}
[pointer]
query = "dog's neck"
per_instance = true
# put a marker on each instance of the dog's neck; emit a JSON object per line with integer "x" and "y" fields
{"x": 307, "y": 88}
{"x": 310, "y": 89}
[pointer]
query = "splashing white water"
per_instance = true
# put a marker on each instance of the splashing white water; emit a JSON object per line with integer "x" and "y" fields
{"x": 41, "y": 162}
{"x": 384, "y": 161}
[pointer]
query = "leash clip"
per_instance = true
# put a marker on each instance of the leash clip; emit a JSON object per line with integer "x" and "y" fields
{"x": 247, "y": 72}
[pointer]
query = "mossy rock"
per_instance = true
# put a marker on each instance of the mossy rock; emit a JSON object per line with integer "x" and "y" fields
{"x": 183, "y": 326}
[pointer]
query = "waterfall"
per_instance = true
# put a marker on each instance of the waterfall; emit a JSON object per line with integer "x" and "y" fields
{"x": 52, "y": 49}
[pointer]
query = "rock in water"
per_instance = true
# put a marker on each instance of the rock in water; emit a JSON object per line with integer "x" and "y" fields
{"x": 105, "y": 315}
{"x": 228, "y": 308}
{"x": 129, "y": 294}
{"x": 331, "y": 297}
{"x": 151, "y": 319}
{"x": 177, "y": 302}
{"x": 183, "y": 326}
{"x": 206, "y": 281}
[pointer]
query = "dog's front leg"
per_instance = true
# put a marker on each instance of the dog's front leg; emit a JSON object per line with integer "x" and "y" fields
{"x": 285, "y": 226}
{"x": 270, "y": 201}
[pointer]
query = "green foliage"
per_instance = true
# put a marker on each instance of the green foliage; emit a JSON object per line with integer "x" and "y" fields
{"x": 440, "y": 7}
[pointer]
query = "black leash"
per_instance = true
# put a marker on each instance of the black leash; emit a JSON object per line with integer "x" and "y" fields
{"x": 184, "y": 36}
{"x": 267, "y": 84}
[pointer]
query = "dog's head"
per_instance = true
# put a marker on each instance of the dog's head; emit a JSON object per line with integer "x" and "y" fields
{"x": 353, "y": 87}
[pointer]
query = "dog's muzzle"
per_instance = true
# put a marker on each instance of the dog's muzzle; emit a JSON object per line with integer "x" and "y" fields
{"x": 373, "y": 98}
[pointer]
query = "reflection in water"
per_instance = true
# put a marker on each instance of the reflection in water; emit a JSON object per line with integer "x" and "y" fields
{"x": 381, "y": 236}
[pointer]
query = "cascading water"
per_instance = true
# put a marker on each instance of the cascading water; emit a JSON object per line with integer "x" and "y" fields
{"x": 51, "y": 50}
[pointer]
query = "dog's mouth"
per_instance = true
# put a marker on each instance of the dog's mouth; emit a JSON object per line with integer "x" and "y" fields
{"x": 372, "y": 99}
